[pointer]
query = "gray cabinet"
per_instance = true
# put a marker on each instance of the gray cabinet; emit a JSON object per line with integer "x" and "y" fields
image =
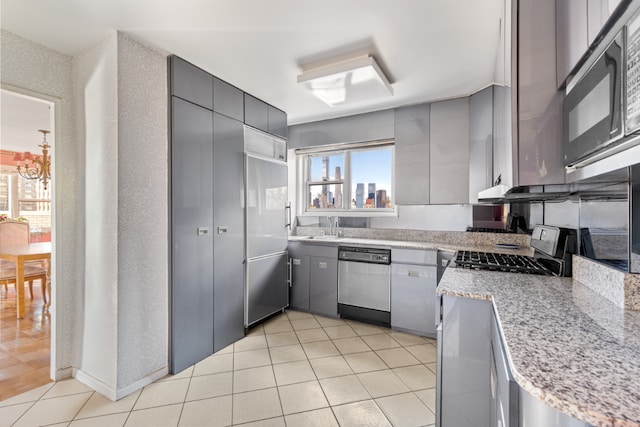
{"x": 480, "y": 142}
{"x": 256, "y": 113}
{"x": 465, "y": 345}
{"x": 191, "y": 83}
{"x": 449, "y": 151}
{"x": 299, "y": 286}
{"x": 413, "y": 291}
{"x": 323, "y": 285}
{"x": 228, "y": 231}
{"x": 228, "y": 100}
{"x": 277, "y": 121}
{"x": 538, "y": 137}
{"x": 191, "y": 242}
{"x": 412, "y": 155}
{"x": 571, "y": 36}
{"x": 314, "y": 278}
{"x": 598, "y": 13}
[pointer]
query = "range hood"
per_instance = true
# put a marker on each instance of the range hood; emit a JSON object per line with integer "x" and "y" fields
{"x": 539, "y": 193}
{"x": 609, "y": 186}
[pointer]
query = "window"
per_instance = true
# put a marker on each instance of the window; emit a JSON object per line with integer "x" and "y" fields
{"x": 351, "y": 179}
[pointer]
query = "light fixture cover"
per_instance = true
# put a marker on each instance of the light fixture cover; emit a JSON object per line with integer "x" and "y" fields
{"x": 351, "y": 81}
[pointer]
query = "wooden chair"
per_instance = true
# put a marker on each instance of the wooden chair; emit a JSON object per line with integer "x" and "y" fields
{"x": 14, "y": 233}
{"x": 17, "y": 233}
{"x": 31, "y": 273}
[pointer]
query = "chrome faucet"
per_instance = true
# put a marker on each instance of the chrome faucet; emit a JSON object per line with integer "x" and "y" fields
{"x": 334, "y": 226}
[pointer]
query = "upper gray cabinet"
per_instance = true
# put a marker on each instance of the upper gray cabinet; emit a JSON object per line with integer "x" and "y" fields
{"x": 191, "y": 83}
{"x": 449, "y": 152}
{"x": 598, "y": 13}
{"x": 480, "y": 142}
{"x": 538, "y": 103}
{"x": 412, "y": 155}
{"x": 277, "y": 122}
{"x": 256, "y": 113}
{"x": 571, "y": 36}
{"x": 228, "y": 100}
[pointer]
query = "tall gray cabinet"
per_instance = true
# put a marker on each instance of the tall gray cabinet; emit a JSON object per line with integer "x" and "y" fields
{"x": 207, "y": 226}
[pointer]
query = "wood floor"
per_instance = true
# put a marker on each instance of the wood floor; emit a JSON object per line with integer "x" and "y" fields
{"x": 24, "y": 343}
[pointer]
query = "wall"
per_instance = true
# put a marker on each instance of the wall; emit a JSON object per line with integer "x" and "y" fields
{"x": 143, "y": 225}
{"x": 95, "y": 91}
{"x": 30, "y": 68}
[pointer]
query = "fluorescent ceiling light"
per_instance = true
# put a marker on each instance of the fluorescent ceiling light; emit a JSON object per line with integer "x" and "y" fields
{"x": 346, "y": 82}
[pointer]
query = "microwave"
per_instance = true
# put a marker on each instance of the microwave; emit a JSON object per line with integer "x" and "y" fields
{"x": 593, "y": 110}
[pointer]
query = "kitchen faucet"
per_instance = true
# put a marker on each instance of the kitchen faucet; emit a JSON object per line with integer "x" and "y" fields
{"x": 334, "y": 225}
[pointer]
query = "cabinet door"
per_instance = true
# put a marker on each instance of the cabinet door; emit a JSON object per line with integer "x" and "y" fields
{"x": 299, "y": 290}
{"x": 228, "y": 230}
{"x": 412, "y": 155}
{"x": 192, "y": 259}
{"x": 480, "y": 142}
{"x": 256, "y": 113}
{"x": 465, "y": 368}
{"x": 191, "y": 83}
{"x": 277, "y": 122}
{"x": 323, "y": 285}
{"x": 598, "y": 12}
{"x": 539, "y": 106}
{"x": 571, "y": 35}
{"x": 228, "y": 100}
{"x": 413, "y": 298}
{"x": 449, "y": 152}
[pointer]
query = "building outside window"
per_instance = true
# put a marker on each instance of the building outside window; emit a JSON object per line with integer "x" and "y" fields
{"x": 353, "y": 178}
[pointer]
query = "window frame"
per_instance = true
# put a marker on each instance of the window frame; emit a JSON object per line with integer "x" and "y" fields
{"x": 304, "y": 155}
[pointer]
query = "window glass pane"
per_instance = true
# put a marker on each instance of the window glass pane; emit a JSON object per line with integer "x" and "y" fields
{"x": 326, "y": 167}
{"x": 371, "y": 178}
{"x": 4, "y": 193}
{"x": 325, "y": 196}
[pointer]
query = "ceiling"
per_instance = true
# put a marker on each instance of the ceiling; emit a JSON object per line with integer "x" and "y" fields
{"x": 429, "y": 49}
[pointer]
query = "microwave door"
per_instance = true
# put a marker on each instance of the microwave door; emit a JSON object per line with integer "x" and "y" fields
{"x": 593, "y": 108}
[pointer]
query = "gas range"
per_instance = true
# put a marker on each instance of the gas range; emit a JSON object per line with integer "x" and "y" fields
{"x": 552, "y": 257}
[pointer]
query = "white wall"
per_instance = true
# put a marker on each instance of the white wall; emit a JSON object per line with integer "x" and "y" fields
{"x": 142, "y": 212}
{"x": 95, "y": 90}
{"x": 33, "y": 69}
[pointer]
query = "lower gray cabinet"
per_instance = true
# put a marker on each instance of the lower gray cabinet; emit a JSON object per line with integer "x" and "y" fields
{"x": 465, "y": 389}
{"x": 314, "y": 278}
{"x": 299, "y": 287}
{"x": 323, "y": 285}
{"x": 413, "y": 291}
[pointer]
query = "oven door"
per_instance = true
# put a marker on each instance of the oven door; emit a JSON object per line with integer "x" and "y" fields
{"x": 593, "y": 109}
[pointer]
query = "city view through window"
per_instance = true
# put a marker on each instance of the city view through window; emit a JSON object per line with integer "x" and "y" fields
{"x": 353, "y": 179}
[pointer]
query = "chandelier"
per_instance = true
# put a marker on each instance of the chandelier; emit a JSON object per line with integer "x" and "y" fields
{"x": 39, "y": 168}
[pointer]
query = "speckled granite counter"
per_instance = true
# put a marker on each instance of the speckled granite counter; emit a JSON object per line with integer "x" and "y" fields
{"x": 399, "y": 244}
{"x": 567, "y": 345}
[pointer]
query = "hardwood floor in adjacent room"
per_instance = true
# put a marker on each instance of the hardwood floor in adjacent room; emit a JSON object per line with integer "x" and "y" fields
{"x": 24, "y": 344}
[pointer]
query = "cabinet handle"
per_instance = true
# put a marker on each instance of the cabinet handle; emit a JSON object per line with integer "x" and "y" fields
{"x": 322, "y": 265}
{"x": 413, "y": 273}
{"x": 290, "y": 266}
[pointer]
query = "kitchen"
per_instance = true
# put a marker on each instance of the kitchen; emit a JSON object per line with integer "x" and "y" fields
{"x": 414, "y": 214}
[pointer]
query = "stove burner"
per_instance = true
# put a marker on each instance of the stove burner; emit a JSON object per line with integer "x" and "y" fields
{"x": 501, "y": 262}
{"x": 490, "y": 230}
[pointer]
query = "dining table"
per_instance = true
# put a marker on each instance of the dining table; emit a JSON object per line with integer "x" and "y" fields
{"x": 18, "y": 254}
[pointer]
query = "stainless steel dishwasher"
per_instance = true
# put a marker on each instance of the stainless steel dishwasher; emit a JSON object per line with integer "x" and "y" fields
{"x": 364, "y": 291}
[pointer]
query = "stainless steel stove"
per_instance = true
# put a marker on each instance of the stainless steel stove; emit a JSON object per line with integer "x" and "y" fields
{"x": 552, "y": 257}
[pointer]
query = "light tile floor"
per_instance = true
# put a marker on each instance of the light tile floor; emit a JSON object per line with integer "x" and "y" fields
{"x": 296, "y": 369}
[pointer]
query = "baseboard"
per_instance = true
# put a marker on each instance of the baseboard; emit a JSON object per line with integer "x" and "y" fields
{"x": 62, "y": 374}
{"x": 116, "y": 394}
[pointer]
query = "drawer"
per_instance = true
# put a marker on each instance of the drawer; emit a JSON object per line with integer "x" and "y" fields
{"x": 321, "y": 251}
{"x": 414, "y": 256}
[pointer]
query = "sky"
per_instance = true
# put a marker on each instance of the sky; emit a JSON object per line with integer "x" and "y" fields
{"x": 367, "y": 166}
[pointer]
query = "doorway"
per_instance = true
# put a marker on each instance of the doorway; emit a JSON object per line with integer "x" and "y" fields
{"x": 25, "y": 344}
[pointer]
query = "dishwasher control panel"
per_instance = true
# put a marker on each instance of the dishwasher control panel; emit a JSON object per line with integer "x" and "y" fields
{"x": 367, "y": 255}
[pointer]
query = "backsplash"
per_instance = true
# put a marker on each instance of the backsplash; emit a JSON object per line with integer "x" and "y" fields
{"x": 409, "y": 235}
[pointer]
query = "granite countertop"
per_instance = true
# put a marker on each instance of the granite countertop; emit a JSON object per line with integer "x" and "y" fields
{"x": 400, "y": 244}
{"x": 567, "y": 345}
